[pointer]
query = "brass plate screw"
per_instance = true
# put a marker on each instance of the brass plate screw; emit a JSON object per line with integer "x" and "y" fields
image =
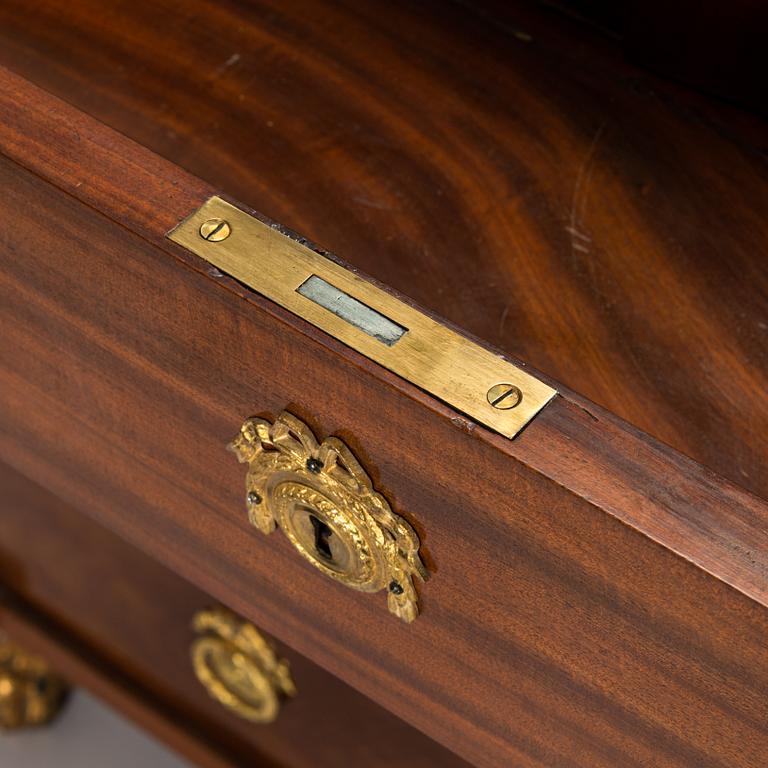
{"x": 215, "y": 230}
{"x": 504, "y": 396}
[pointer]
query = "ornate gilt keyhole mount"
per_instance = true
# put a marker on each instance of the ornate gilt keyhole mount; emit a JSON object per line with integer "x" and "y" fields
{"x": 324, "y": 502}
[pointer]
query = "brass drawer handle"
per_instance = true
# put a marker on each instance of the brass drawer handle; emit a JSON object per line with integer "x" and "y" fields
{"x": 238, "y": 667}
{"x": 30, "y": 693}
{"x": 324, "y": 502}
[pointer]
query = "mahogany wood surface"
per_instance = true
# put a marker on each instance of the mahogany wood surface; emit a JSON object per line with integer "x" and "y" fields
{"x": 122, "y": 617}
{"x": 497, "y": 162}
{"x": 596, "y": 599}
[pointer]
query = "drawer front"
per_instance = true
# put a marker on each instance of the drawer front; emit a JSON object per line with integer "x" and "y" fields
{"x": 136, "y": 618}
{"x": 559, "y": 625}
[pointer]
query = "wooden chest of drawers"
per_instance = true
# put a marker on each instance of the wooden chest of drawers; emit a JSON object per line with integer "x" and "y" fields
{"x": 597, "y": 574}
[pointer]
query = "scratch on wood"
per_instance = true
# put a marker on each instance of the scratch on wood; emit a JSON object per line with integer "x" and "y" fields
{"x": 580, "y": 240}
{"x": 230, "y": 62}
{"x": 463, "y": 424}
{"x": 503, "y": 319}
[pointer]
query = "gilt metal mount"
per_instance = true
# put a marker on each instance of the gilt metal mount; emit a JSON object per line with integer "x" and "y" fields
{"x": 324, "y": 502}
{"x": 238, "y": 666}
{"x": 31, "y": 693}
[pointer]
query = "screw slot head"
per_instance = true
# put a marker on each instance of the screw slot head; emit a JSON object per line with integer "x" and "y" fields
{"x": 215, "y": 230}
{"x": 504, "y": 396}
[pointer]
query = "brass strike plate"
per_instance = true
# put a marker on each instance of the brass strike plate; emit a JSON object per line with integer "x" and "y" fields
{"x": 435, "y": 358}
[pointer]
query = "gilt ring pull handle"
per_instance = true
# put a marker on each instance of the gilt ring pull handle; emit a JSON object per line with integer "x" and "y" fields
{"x": 31, "y": 694}
{"x": 322, "y": 499}
{"x": 238, "y": 666}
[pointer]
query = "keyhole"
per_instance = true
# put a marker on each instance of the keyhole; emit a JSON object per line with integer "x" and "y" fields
{"x": 322, "y": 534}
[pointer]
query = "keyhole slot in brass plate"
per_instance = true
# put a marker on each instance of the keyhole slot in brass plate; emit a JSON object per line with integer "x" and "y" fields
{"x": 350, "y": 309}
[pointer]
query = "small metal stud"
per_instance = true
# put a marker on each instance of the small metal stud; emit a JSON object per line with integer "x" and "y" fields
{"x": 253, "y": 498}
{"x": 314, "y": 466}
{"x": 215, "y": 230}
{"x": 395, "y": 588}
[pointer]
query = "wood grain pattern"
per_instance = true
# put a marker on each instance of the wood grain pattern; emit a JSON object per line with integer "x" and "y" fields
{"x": 124, "y": 628}
{"x": 505, "y": 169}
{"x": 597, "y": 599}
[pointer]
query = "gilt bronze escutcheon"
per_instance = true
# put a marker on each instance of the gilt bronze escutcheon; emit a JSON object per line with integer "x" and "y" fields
{"x": 324, "y": 502}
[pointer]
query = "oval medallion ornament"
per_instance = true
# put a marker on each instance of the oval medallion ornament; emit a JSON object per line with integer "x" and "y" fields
{"x": 324, "y": 502}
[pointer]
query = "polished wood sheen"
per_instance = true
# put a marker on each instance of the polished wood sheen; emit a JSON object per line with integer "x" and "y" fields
{"x": 596, "y": 600}
{"x": 496, "y": 162}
